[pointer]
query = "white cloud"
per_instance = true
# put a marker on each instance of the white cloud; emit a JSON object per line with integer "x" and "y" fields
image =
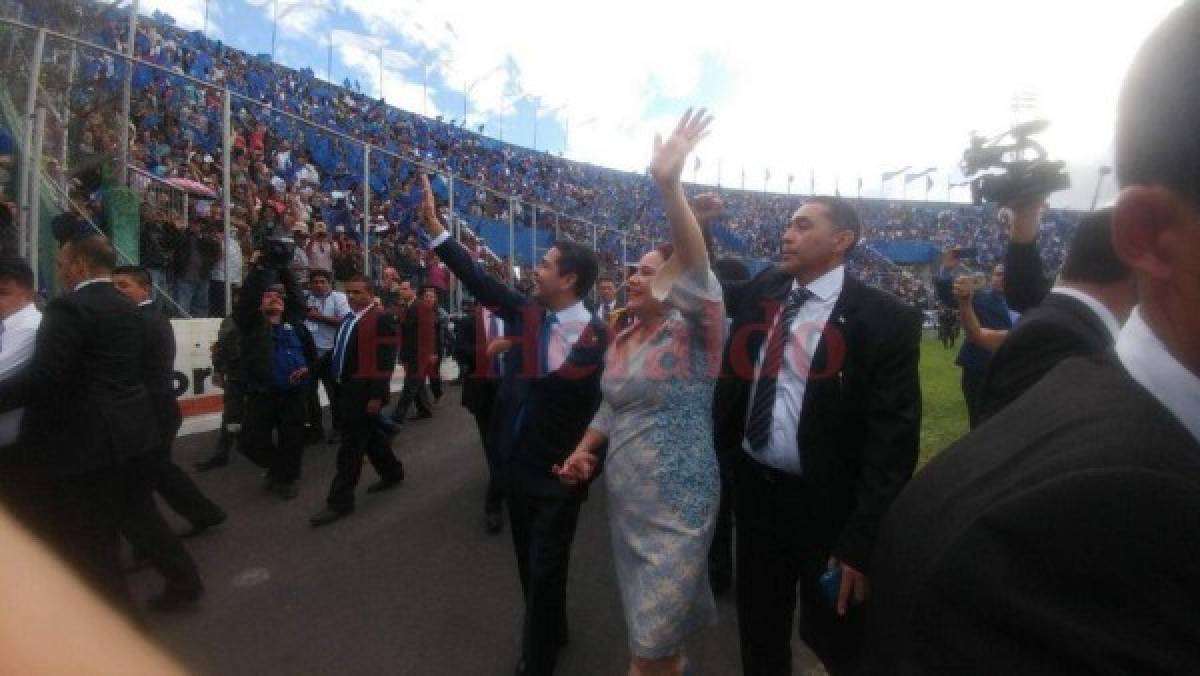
{"x": 188, "y": 14}
{"x": 844, "y": 89}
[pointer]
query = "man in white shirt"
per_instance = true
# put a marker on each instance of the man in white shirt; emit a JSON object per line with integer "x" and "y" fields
{"x": 19, "y": 320}
{"x": 1072, "y": 514}
{"x": 326, "y": 311}
{"x": 606, "y": 290}
{"x": 228, "y": 266}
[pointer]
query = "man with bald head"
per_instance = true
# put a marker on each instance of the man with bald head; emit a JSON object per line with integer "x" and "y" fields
{"x": 1062, "y": 535}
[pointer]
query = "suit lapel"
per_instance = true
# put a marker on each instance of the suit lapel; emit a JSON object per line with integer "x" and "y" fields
{"x": 830, "y": 356}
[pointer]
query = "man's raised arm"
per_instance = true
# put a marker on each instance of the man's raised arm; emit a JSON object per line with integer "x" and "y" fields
{"x": 487, "y": 290}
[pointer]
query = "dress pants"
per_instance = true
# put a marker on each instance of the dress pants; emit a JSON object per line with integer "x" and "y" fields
{"x": 324, "y": 378}
{"x": 182, "y": 494}
{"x": 972, "y": 379}
{"x": 776, "y": 560}
{"x": 414, "y": 391}
{"x": 360, "y": 435}
{"x": 720, "y": 552}
{"x": 143, "y": 525}
{"x": 482, "y": 412}
{"x": 282, "y": 413}
{"x": 78, "y": 517}
{"x": 542, "y": 531}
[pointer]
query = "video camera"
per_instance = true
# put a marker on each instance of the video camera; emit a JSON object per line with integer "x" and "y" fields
{"x": 1006, "y": 173}
{"x": 277, "y": 247}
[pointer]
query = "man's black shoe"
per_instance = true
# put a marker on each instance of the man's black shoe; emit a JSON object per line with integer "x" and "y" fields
{"x": 172, "y": 599}
{"x": 219, "y": 460}
{"x": 384, "y": 485}
{"x": 327, "y": 516}
{"x": 199, "y": 527}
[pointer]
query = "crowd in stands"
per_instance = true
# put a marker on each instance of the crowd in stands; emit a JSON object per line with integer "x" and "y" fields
{"x": 289, "y": 175}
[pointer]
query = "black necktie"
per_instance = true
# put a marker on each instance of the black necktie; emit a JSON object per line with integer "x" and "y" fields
{"x": 758, "y": 425}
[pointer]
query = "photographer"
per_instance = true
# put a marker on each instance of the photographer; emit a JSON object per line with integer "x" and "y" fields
{"x": 279, "y": 358}
{"x": 992, "y": 312}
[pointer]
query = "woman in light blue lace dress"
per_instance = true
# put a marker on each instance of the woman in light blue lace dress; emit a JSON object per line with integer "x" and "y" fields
{"x": 660, "y": 469}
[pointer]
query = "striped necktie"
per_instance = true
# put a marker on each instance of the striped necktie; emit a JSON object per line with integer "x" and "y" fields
{"x": 758, "y": 424}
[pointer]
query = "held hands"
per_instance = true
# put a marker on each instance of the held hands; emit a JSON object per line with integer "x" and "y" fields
{"x": 666, "y": 164}
{"x": 577, "y": 469}
{"x": 854, "y": 587}
{"x": 298, "y": 375}
{"x": 374, "y": 406}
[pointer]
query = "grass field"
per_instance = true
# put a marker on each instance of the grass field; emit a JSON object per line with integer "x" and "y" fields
{"x": 945, "y": 414}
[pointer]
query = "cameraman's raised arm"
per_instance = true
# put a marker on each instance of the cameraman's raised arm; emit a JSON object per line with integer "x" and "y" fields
{"x": 246, "y": 314}
{"x": 1025, "y": 283}
{"x": 294, "y": 307}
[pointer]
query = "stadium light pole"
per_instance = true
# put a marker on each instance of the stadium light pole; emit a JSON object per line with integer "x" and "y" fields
{"x": 127, "y": 94}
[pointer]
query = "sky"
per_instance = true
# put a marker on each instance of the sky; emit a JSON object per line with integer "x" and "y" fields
{"x": 826, "y": 92}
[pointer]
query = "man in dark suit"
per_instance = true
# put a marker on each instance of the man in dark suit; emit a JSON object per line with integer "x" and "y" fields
{"x": 992, "y": 312}
{"x": 1062, "y": 535}
{"x": 88, "y": 420}
{"x": 818, "y": 411}
{"x": 549, "y": 393}
{"x": 143, "y": 527}
{"x": 1080, "y": 315}
{"x": 362, "y": 361}
{"x": 418, "y": 343}
{"x": 479, "y": 344}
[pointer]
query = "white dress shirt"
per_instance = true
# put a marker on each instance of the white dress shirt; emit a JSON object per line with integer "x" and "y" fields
{"x": 1146, "y": 359}
{"x": 16, "y": 349}
{"x": 334, "y": 304}
{"x": 806, "y": 328}
{"x": 1099, "y": 309}
{"x": 565, "y": 333}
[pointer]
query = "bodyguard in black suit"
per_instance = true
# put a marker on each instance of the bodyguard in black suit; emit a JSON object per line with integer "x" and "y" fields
{"x": 362, "y": 361}
{"x": 820, "y": 446}
{"x": 1062, "y": 535}
{"x": 1079, "y": 316}
{"x": 481, "y": 370}
{"x": 88, "y": 420}
{"x": 550, "y": 391}
{"x": 144, "y": 526}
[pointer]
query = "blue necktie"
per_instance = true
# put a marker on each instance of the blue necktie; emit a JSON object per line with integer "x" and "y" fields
{"x": 758, "y": 424}
{"x": 543, "y": 366}
{"x": 339, "y": 345}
